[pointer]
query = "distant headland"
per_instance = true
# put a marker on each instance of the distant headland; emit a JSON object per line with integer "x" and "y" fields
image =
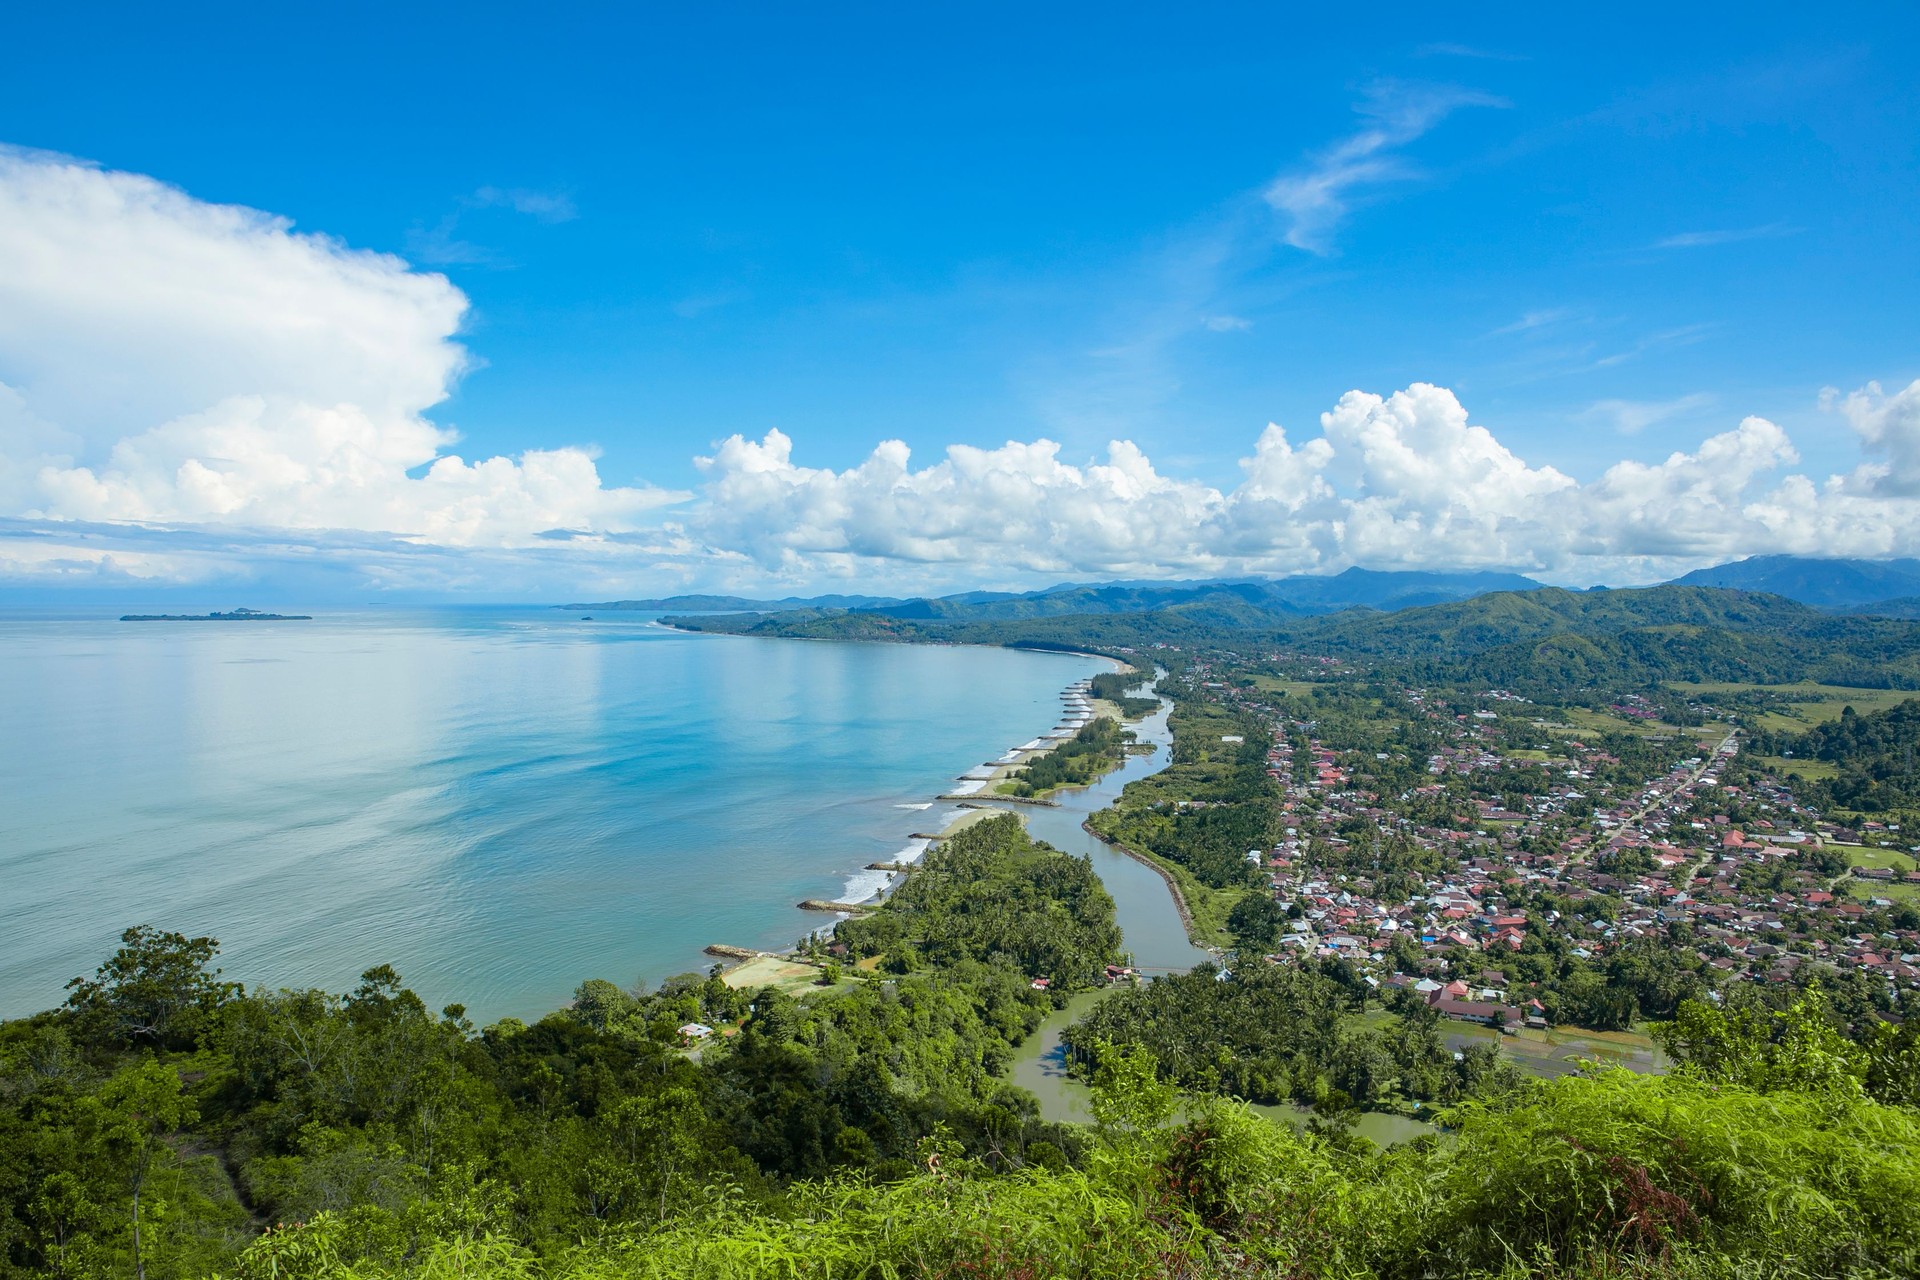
{"x": 237, "y": 615}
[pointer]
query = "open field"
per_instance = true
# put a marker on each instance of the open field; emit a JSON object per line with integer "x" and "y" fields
{"x": 1557, "y": 1051}
{"x": 1809, "y": 770}
{"x": 1807, "y": 704}
{"x": 1543, "y": 1053}
{"x": 1862, "y": 856}
{"x": 1292, "y": 688}
{"x": 771, "y": 971}
{"x": 1863, "y": 890}
{"x": 1586, "y": 721}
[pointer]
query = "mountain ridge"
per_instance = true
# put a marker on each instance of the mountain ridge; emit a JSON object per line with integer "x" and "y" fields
{"x": 1829, "y": 583}
{"x": 1300, "y": 595}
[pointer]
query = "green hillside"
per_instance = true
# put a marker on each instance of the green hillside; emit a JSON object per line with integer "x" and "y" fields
{"x": 1549, "y": 638}
{"x": 1872, "y": 754}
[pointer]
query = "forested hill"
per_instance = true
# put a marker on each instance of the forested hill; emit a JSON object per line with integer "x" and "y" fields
{"x": 1299, "y": 596}
{"x": 163, "y": 1118}
{"x": 1569, "y": 640}
{"x": 1549, "y": 637}
{"x": 1249, "y": 601}
{"x": 1885, "y": 588}
{"x": 1873, "y": 756}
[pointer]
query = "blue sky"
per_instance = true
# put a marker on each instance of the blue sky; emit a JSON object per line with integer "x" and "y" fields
{"x": 1607, "y": 238}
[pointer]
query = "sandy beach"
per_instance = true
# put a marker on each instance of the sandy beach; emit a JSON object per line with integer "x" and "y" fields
{"x": 972, "y": 791}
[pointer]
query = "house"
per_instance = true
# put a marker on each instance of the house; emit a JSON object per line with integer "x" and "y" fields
{"x": 1487, "y": 1015}
{"x": 695, "y": 1031}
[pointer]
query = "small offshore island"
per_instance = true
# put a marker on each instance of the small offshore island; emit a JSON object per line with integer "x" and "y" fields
{"x": 236, "y": 615}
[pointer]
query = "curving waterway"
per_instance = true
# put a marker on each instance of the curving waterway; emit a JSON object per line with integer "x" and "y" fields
{"x": 1149, "y": 921}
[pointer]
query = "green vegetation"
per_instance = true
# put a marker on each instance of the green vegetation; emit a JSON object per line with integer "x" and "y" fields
{"x": 1285, "y": 1033}
{"x": 1099, "y": 746}
{"x": 1613, "y": 1175}
{"x": 1864, "y": 856}
{"x": 857, "y": 1120}
{"x": 1549, "y": 642}
{"x": 1791, "y": 707}
{"x": 161, "y": 1119}
{"x": 991, "y": 895}
{"x": 1112, "y": 686}
{"x": 1207, "y": 809}
{"x": 1870, "y": 758}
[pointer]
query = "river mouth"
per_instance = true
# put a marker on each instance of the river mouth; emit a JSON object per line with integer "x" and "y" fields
{"x": 1150, "y": 925}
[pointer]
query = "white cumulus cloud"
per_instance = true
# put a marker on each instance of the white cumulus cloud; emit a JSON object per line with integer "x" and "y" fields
{"x": 1889, "y": 430}
{"x": 192, "y": 392}
{"x": 167, "y": 359}
{"x": 1403, "y": 481}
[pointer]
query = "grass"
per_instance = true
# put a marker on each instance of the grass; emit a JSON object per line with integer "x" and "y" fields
{"x": 1810, "y": 703}
{"x": 1585, "y": 720}
{"x": 1556, "y": 1051}
{"x": 1862, "y": 890}
{"x": 1862, "y": 856}
{"x": 1806, "y": 770}
{"x": 1292, "y": 688}
{"x": 790, "y": 976}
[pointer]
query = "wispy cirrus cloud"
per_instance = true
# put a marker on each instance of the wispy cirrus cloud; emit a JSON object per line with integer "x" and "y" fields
{"x": 1630, "y": 417}
{"x": 547, "y": 206}
{"x": 1683, "y": 336}
{"x": 1449, "y": 49}
{"x": 1533, "y": 320}
{"x": 1707, "y": 239}
{"x": 1316, "y": 198}
{"x": 441, "y": 245}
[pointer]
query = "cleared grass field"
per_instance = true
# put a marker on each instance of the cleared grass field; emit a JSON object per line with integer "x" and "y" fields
{"x": 1584, "y": 720}
{"x": 1809, "y": 704}
{"x": 1861, "y": 856}
{"x": 1292, "y": 688}
{"x": 1864, "y": 890}
{"x": 1562, "y": 1049}
{"x": 1811, "y": 770}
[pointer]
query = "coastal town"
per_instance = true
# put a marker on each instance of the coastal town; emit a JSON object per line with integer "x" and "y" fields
{"x": 1456, "y": 846}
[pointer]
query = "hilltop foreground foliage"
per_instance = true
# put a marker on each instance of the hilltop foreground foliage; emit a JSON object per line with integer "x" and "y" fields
{"x": 157, "y": 1124}
{"x": 164, "y": 1124}
{"x": 1614, "y": 1175}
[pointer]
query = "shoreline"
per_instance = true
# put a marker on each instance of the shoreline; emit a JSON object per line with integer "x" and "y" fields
{"x": 973, "y": 789}
{"x": 975, "y": 803}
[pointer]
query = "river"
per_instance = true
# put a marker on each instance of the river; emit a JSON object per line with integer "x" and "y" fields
{"x": 1149, "y": 920}
{"x": 1153, "y": 932}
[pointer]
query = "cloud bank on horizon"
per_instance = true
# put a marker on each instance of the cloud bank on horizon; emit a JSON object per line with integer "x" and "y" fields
{"x": 198, "y": 393}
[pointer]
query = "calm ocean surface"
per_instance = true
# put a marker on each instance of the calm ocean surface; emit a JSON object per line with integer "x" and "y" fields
{"x": 497, "y": 802}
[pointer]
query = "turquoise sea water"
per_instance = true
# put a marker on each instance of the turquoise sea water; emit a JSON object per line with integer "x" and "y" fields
{"x": 499, "y": 803}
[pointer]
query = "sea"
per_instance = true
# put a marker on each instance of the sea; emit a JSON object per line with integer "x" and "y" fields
{"x": 498, "y": 802}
